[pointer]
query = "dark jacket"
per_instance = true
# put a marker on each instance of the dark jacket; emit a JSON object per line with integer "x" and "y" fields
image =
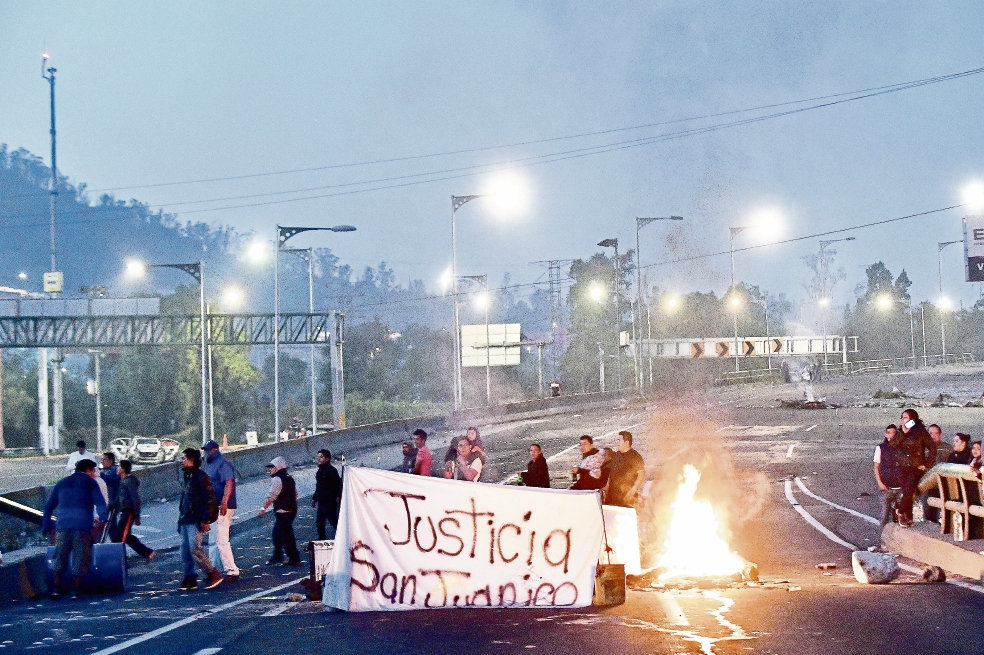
{"x": 74, "y": 497}
{"x": 918, "y": 448}
{"x": 196, "y": 497}
{"x": 890, "y": 467}
{"x": 128, "y": 499}
{"x": 536, "y": 473}
{"x": 287, "y": 500}
{"x": 963, "y": 457}
{"x": 111, "y": 477}
{"x": 328, "y": 485}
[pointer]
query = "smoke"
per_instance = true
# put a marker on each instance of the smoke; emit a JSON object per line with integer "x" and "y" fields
{"x": 680, "y": 435}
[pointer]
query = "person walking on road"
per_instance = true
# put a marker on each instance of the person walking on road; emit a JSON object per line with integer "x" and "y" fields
{"x": 127, "y": 510}
{"x": 223, "y": 476}
{"x": 327, "y": 494}
{"x": 283, "y": 498}
{"x": 79, "y": 454}
{"x": 73, "y": 501}
{"x": 627, "y": 472}
{"x": 424, "y": 458}
{"x": 918, "y": 455}
{"x": 536, "y": 473}
{"x": 195, "y": 511}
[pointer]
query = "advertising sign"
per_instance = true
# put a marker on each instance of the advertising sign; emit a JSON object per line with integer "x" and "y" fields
{"x": 974, "y": 247}
{"x": 408, "y": 542}
{"x": 479, "y": 342}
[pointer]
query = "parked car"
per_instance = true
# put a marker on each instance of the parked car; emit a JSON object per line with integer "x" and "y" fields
{"x": 152, "y": 450}
{"x": 122, "y": 447}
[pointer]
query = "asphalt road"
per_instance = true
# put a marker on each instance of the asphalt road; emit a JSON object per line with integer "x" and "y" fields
{"x": 746, "y": 448}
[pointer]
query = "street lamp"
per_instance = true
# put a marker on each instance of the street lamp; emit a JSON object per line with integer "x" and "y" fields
{"x": 197, "y": 271}
{"x": 885, "y": 303}
{"x": 456, "y": 203}
{"x": 613, "y": 243}
{"x": 96, "y": 391}
{"x": 943, "y": 304}
{"x": 642, "y": 222}
{"x": 308, "y": 255}
{"x": 764, "y": 302}
{"x": 283, "y": 235}
{"x": 482, "y": 302}
{"x": 823, "y": 293}
{"x": 732, "y": 233}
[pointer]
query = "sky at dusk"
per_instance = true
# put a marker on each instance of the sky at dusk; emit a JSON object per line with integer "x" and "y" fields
{"x": 151, "y": 94}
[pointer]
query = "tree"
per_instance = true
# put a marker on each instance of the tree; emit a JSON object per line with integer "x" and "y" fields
{"x": 879, "y": 318}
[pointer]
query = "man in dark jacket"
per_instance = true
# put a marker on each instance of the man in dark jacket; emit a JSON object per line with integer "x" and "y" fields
{"x": 536, "y": 473}
{"x": 194, "y": 516}
{"x": 111, "y": 476}
{"x": 74, "y": 498}
{"x": 283, "y": 498}
{"x": 128, "y": 512}
{"x": 627, "y": 473}
{"x": 327, "y": 494}
{"x": 917, "y": 455}
{"x": 590, "y": 461}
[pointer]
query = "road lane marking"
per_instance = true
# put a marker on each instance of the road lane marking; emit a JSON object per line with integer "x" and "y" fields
{"x": 863, "y": 517}
{"x": 810, "y": 428}
{"x": 280, "y": 609}
{"x": 191, "y": 619}
{"x": 208, "y": 651}
{"x": 789, "y": 451}
{"x": 830, "y": 535}
{"x": 812, "y": 521}
{"x": 674, "y": 613}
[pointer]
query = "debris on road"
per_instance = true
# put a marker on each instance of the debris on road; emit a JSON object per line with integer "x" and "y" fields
{"x": 874, "y": 568}
{"x": 825, "y": 566}
{"x": 934, "y": 574}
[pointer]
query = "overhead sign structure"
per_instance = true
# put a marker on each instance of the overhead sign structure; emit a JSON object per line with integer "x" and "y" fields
{"x": 408, "y": 542}
{"x": 974, "y": 247}
{"x": 500, "y": 344}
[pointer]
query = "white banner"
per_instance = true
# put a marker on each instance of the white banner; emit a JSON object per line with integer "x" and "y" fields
{"x": 410, "y": 542}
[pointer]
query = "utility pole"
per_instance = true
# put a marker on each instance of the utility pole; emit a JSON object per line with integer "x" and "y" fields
{"x": 338, "y": 372}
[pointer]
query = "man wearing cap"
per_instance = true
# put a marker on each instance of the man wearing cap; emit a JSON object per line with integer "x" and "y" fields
{"x": 223, "y": 476}
{"x": 283, "y": 497}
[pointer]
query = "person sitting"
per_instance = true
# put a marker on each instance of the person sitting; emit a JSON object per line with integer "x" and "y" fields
{"x": 467, "y": 465}
{"x": 942, "y": 448}
{"x": 975, "y": 457}
{"x": 409, "y": 458}
{"x": 536, "y": 473}
{"x": 888, "y": 472}
{"x": 587, "y": 474}
{"x": 961, "y": 449}
{"x": 473, "y": 436}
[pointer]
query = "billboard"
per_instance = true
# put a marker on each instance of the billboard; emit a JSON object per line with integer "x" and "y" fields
{"x": 475, "y": 347}
{"x": 974, "y": 247}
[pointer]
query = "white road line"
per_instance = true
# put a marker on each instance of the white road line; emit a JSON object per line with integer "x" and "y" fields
{"x": 191, "y": 619}
{"x": 812, "y": 521}
{"x": 863, "y": 517}
{"x": 810, "y": 428}
{"x": 789, "y": 451}
{"x": 279, "y": 609}
{"x": 674, "y": 613}
{"x": 208, "y": 651}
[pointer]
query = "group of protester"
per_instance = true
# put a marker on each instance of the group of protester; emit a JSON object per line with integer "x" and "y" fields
{"x": 905, "y": 454}
{"x": 618, "y": 473}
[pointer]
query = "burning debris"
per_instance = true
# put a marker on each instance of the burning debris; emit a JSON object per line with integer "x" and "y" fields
{"x": 807, "y": 404}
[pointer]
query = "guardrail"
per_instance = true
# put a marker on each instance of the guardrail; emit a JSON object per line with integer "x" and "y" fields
{"x": 852, "y": 367}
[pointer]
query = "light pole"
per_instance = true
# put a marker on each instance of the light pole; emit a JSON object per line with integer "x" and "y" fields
{"x": 456, "y": 203}
{"x": 97, "y": 392}
{"x": 642, "y": 222}
{"x": 613, "y": 243}
{"x": 484, "y": 280}
{"x": 885, "y": 302}
{"x": 764, "y": 302}
{"x": 939, "y": 263}
{"x": 197, "y": 271}
{"x": 823, "y": 286}
{"x": 308, "y": 255}
{"x": 283, "y": 234}
{"x": 732, "y": 233}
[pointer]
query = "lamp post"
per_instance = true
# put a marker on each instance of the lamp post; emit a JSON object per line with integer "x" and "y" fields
{"x": 308, "y": 255}
{"x": 197, "y": 271}
{"x": 732, "y": 233}
{"x": 283, "y": 235}
{"x": 484, "y": 280}
{"x": 642, "y": 222}
{"x": 764, "y": 302}
{"x": 97, "y": 392}
{"x": 939, "y": 263}
{"x": 456, "y": 203}
{"x": 885, "y": 302}
{"x": 823, "y": 286}
{"x": 613, "y": 243}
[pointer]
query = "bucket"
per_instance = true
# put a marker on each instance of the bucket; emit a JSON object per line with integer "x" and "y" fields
{"x": 609, "y": 584}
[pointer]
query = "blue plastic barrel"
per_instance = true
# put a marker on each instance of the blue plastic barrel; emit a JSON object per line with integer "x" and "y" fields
{"x": 107, "y": 571}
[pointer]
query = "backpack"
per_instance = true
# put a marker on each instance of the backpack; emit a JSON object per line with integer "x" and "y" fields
{"x": 213, "y": 503}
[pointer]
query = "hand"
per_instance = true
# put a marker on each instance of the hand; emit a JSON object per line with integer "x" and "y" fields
{"x": 223, "y": 508}
{"x": 573, "y": 470}
{"x": 206, "y": 527}
{"x": 262, "y": 512}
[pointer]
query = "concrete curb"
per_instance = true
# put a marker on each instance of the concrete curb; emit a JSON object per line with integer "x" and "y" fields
{"x": 924, "y": 543}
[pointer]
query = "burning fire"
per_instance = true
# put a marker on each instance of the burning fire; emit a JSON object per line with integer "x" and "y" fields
{"x": 694, "y": 545}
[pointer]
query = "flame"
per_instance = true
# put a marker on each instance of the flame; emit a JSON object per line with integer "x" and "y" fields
{"x": 694, "y": 545}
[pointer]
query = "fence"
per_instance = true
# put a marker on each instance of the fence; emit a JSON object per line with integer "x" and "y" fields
{"x": 852, "y": 368}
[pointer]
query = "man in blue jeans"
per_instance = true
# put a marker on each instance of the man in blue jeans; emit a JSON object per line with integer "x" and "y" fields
{"x": 74, "y": 498}
{"x": 194, "y": 516}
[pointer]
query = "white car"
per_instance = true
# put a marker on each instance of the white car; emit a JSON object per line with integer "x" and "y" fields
{"x": 151, "y": 450}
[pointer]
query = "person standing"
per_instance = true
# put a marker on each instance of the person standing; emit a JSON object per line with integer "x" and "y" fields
{"x": 79, "y": 454}
{"x": 75, "y": 498}
{"x": 918, "y": 454}
{"x": 536, "y": 473}
{"x": 111, "y": 476}
{"x": 327, "y": 494}
{"x": 194, "y": 514}
{"x": 587, "y": 474}
{"x": 223, "y": 476}
{"x": 888, "y": 472}
{"x": 424, "y": 458}
{"x": 127, "y": 510}
{"x": 627, "y": 472}
{"x": 283, "y": 497}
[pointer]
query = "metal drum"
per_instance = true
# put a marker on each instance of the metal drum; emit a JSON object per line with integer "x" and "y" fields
{"x": 107, "y": 572}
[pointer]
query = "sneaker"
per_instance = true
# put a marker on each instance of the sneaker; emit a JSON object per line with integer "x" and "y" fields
{"x": 151, "y": 556}
{"x": 214, "y": 580}
{"x": 232, "y": 578}
{"x": 54, "y": 595}
{"x": 189, "y": 583}
{"x": 274, "y": 560}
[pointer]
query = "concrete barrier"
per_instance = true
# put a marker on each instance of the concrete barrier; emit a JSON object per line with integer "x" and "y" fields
{"x": 541, "y": 407}
{"x": 924, "y": 543}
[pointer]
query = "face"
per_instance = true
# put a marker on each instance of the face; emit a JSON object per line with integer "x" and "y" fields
{"x": 936, "y": 434}
{"x": 107, "y": 462}
{"x": 270, "y": 471}
{"x": 464, "y": 447}
{"x": 975, "y": 450}
{"x": 959, "y": 445}
{"x": 185, "y": 462}
{"x": 472, "y": 434}
{"x": 81, "y": 449}
{"x": 322, "y": 459}
{"x": 890, "y": 433}
{"x": 92, "y": 473}
{"x": 419, "y": 442}
{"x": 535, "y": 452}
{"x": 906, "y": 417}
{"x": 622, "y": 444}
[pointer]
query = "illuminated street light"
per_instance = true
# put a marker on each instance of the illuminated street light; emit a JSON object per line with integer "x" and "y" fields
{"x": 672, "y": 302}
{"x": 824, "y": 302}
{"x": 944, "y": 304}
{"x": 257, "y": 251}
{"x": 973, "y": 195}
{"x": 597, "y": 292}
{"x": 22, "y": 275}
{"x": 884, "y": 302}
{"x": 735, "y": 301}
{"x": 233, "y": 298}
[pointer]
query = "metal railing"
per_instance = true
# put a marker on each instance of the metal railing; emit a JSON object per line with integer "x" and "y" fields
{"x": 852, "y": 367}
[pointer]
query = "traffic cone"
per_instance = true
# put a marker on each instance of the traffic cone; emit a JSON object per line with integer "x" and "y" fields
{"x": 225, "y": 441}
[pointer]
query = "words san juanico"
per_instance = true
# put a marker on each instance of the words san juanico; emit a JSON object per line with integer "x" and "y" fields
{"x": 409, "y": 542}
